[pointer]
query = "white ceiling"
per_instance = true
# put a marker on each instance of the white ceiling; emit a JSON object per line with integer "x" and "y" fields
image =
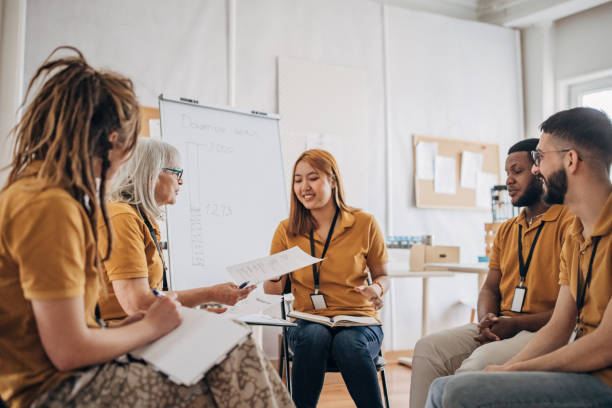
{"x": 508, "y": 13}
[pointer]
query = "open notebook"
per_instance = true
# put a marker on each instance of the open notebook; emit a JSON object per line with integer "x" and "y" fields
{"x": 337, "y": 321}
{"x": 200, "y": 342}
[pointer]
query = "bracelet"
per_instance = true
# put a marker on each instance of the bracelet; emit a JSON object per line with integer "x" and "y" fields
{"x": 276, "y": 280}
{"x": 380, "y": 286}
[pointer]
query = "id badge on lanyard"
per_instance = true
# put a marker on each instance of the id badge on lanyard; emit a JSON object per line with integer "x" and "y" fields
{"x": 318, "y": 299}
{"x": 581, "y": 290}
{"x": 575, "y": 333}
{"x": 520, "y": 292}
{"x": 519, "y": 298}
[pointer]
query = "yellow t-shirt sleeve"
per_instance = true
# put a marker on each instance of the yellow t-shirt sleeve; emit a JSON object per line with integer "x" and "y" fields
{"x": 563, "y": 266}
{"x": 47, "y": 241}
{"x": 377, "y": 251}
{"x": 279, "y": 240}
{"x": 566, "y": 223}
{"x": 494, "y": 259}
{"x": 128, "y": 259}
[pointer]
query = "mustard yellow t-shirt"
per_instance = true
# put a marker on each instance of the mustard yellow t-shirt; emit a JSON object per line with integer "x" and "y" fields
{"x": 134, "y": 254}
{"x": 47, "y": 251}
{"x": 356, "y": 242}
{"x": 543, "y": 273}
{"x": 575, "y": 257}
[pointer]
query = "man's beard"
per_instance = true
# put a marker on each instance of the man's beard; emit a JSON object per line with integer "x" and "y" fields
{"x": 556, "y": 187}
{"x": 532, "y": 195}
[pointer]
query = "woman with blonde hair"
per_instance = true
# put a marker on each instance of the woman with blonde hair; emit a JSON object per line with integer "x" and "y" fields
{"x": 321, "y": 223}
{"x": 80, "y": 127}
{"x": 149, "y": 180}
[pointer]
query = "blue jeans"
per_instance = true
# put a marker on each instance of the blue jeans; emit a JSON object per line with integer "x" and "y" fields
{"x": 352, "y": 350}
{"x": 519, "y": 389}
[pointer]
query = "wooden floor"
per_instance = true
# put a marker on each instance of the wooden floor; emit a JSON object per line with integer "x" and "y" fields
{"x": 335, "y": 395}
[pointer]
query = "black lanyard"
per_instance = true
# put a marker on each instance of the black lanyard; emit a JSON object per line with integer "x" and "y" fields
{"x": 580, "y": 289}
{"x": 524, "y": 266}
{"x": 161, "y": 256}
{"x": 316, "y": 271}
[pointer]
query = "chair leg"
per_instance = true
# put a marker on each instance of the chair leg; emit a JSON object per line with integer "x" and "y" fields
{"x": 281, "y": 359}
{"x": 286, "y": 358}
{"x": 384, "y": 384}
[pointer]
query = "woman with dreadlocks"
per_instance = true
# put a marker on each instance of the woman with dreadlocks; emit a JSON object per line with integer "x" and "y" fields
{"x": 76, "y": 132}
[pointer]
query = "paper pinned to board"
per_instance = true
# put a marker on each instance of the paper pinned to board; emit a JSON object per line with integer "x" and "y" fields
{"x": 426, "y": 153}
{"x": 271, "y": 266}
{"x": 471, "y": 165}
{"x": 445, "y": 181}
{"x": 484, "y": 182}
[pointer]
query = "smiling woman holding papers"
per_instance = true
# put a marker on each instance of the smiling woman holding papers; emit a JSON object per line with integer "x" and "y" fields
{"x": 321, "y": 224}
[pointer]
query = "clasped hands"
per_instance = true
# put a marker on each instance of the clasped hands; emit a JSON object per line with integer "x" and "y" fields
{"x": 494, "y": 328}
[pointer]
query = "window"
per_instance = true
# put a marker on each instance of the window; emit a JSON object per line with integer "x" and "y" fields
{"x": 596, "y": 93}
{"x": 601, "y": 99}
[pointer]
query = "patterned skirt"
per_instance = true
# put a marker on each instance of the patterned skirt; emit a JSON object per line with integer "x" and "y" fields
{"x": 244, "y": 379}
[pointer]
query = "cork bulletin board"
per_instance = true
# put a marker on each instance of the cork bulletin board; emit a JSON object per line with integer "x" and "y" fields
{"x": 463, "y": 198}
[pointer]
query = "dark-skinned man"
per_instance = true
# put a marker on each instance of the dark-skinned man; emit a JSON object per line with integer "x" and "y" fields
{"x": 519, "y": 293}
{"x": 568, "y": 363}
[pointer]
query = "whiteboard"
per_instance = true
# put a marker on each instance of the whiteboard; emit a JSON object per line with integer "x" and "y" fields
{"x": 233, "y": 195}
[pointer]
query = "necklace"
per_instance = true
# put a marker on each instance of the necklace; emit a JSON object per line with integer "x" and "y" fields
{"x": 532, "y": 219}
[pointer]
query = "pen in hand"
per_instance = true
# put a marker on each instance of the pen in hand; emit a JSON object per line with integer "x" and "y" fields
{"x": 158, "y": 293}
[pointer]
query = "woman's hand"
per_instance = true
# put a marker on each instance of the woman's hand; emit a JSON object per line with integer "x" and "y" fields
{"x": 372, "y": 293}
{"x": 217, "y": 310}
{"x": 498, "y": 368}
{"x": 229, "y": 294}
{"x": 164, "y": 315}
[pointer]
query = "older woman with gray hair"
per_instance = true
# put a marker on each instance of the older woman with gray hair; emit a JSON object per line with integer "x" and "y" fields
{"x": 150, "y": 179}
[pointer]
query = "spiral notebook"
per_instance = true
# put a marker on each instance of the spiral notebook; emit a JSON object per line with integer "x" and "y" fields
{"x": 200, "y": 342}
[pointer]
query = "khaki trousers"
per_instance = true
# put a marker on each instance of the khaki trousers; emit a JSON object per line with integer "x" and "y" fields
{"x": 455, "y": 351}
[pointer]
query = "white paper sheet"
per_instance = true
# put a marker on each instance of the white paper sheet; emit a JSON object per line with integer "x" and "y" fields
{"x": 271, "y": 266}
{"x": 265, "y": 320}
{"x": 471, "y": 165}
{"x": 484, "y": 183}
{"x": 445, "y": 181}
{"x": 426, "y": 153}
{"x": 256, "y": 302}
{"x": 202, "y": 340}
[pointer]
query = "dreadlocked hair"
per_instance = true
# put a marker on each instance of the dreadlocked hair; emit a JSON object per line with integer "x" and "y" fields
{"x": 67, "y": 125}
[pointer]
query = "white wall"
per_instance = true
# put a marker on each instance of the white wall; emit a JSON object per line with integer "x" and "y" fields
{"x": 447, "y": 77}
{"x": 12, "y": 27}
{"x": 539, "y": 75}
{"x": 582, "y": 42}
{"x": 457, "y": 79}
{"x": 574, "y": 46}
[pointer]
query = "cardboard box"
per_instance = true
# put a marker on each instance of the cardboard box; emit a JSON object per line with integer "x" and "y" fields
{"x": 424, "y": 254}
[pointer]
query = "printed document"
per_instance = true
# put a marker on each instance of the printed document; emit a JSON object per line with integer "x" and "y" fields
{"x": 271, "y": 266}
